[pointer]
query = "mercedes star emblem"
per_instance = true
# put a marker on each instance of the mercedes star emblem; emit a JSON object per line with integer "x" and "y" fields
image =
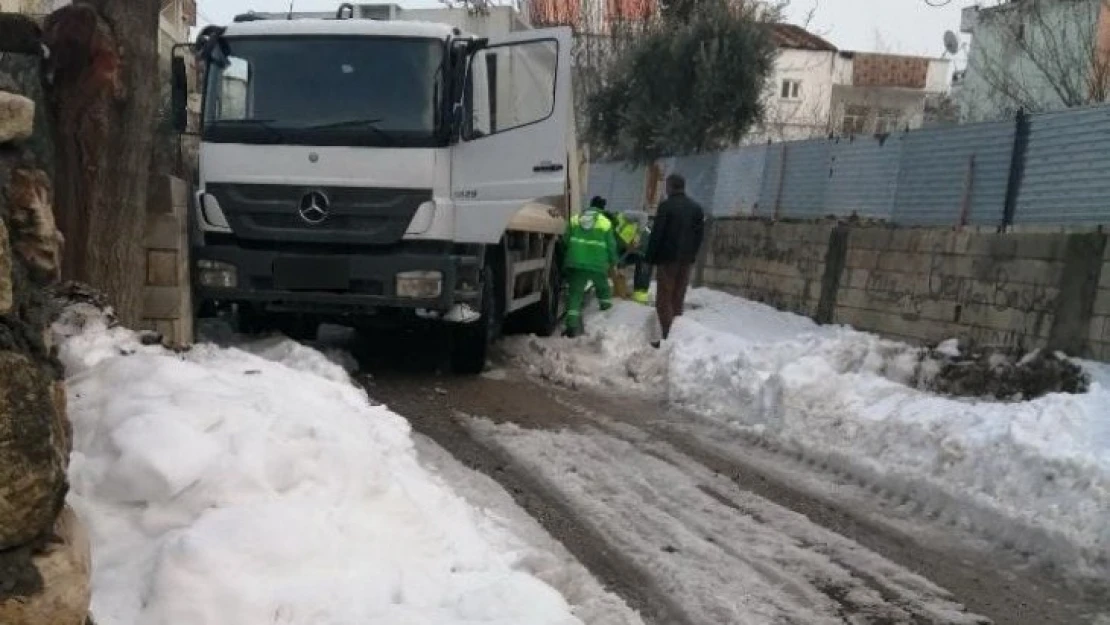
{"x": 314, "y": 208}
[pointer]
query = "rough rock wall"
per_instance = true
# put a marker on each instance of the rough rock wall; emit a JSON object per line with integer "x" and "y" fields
{"x": 44, "y": 552}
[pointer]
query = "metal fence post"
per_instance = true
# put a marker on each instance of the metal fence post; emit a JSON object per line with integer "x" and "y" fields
{"x": 781, "y": 181}
{"x": 1017, "y": 169}
{"x": 969, "y": 187}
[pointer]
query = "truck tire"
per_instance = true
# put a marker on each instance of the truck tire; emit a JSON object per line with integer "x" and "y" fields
{"x": 301, "y": 328}
{"x": 543, "y": 318}
{"x": 471, "y": 342}
{"x": 252, "y": 322}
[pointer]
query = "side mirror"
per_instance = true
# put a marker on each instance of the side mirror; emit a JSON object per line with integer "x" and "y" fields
{"x": 179, "y": 100}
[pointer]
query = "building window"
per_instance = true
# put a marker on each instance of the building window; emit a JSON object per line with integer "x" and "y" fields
{"x": 855, "y": 120}
{"x": 887, "y": 121}
{"x": 791, "y": 89}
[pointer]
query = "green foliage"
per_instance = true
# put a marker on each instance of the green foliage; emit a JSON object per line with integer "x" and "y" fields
{"x": 693, "y": 82}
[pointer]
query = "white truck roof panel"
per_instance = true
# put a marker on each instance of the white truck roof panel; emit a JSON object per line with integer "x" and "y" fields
{"x": 263, "y": 28}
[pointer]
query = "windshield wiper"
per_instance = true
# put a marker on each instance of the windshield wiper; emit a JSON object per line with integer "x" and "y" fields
{"x": 265, "y": 124}
{"x": 372, "y": 124}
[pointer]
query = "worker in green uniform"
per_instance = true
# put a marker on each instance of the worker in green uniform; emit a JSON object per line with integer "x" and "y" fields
{"x": 591, "y": 253}
{"x": 633, "y": 233}
{"x": 627, "y": 235}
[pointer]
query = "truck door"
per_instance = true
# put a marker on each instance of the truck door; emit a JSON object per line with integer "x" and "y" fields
{"x": 513, "y": 145}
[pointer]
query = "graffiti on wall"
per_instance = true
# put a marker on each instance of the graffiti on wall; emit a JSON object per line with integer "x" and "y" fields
{"x": 992, "y": 287}
{"x": 731, "y": 247}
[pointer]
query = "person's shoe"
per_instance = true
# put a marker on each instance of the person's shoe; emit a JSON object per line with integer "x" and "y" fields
{"x": 605, "y": 306}
{"x": 656, "y": 344}
{"x": 572, "y": 333}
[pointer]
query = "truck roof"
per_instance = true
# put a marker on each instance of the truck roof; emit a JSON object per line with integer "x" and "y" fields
{"x": 264, "y": 27}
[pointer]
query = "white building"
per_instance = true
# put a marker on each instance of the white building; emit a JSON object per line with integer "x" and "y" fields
{"x": 816, "y": 90}
{"x": 799, "y": 91}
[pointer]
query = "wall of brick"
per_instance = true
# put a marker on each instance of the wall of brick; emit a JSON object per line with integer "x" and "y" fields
{"x": 889, "y": 70}
{"x": 167, "y": 305}
{"x": 924, "y": 285}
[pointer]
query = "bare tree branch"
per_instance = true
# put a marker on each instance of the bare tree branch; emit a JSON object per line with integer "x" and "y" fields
{"x": 1040, "y": 55}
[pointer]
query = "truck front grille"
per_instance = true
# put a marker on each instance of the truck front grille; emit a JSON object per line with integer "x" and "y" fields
{"x": 350, "y": 215}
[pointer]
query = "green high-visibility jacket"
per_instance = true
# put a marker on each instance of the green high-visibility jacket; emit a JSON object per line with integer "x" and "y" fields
{"x": 591, "y": 245}
{"x": 627, "y": 231}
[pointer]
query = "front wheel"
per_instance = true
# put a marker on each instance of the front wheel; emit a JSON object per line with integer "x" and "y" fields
{"x": 543, "y": 318}
{"x": 471, "y": 342}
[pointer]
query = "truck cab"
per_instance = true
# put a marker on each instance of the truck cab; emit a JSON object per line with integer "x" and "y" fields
{"x": 381, "y": 173}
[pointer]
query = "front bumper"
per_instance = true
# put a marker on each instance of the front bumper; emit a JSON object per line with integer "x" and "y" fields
{"x": 337, "y": 283}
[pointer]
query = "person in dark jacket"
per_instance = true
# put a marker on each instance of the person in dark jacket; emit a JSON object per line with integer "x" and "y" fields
{"x": 676, "y": 238}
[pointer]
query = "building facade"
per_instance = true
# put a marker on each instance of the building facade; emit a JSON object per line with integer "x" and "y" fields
{"x": 818, "y": 90}
{"x": 1036, "y": 55}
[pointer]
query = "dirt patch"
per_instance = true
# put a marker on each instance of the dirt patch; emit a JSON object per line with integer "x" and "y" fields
{"x": 1005, "y": 375}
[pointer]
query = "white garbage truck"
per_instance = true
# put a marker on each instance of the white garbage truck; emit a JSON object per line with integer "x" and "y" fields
{"x": 381, "y": 173}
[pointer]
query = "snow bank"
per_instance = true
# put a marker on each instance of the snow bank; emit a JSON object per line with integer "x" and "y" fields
{"x": 223, "y": 488}
{"x": 1035, "y": 475}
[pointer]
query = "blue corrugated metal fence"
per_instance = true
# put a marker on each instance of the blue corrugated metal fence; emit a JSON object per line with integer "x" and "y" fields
{"x": 938, "y": 176}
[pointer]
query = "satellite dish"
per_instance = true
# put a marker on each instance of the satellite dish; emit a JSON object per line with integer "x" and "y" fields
{"x": 951, "y": 42}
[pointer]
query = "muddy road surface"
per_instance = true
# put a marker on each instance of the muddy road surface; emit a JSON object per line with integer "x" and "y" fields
{"x": 689, "y": 534}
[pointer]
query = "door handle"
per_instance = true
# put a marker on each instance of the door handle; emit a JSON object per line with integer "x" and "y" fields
{"x": 547, "y": 167}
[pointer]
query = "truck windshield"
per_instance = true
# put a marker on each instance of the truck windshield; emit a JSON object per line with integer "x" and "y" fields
{"x": 358, "y": 91}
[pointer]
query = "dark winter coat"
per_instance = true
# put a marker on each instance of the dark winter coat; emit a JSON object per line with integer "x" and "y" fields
{"x": 676, "y": 235}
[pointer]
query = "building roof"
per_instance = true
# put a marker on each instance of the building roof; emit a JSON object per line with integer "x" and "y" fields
{"x": 798, "y": 38}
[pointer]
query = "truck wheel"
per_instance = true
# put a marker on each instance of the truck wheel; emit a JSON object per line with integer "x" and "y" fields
{"x": 253, "y": 322}
{"x": 301, "y": 328}
{"x": 471, "y": 342}
{"x": 543, "y": 318}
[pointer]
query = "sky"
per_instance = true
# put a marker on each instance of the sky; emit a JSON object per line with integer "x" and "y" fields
{"x": 896, "y": 26}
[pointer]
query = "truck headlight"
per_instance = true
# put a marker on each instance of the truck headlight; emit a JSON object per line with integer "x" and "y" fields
{"x": 213, "y": 213}
{"x": 214, "y": 274}
{"x": 419, "y": 284}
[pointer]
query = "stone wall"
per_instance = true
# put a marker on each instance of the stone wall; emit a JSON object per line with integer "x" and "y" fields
{"x": 1024, "y": 290}
{"x": 44, "y": 552}
{"x": 167, "y": 305}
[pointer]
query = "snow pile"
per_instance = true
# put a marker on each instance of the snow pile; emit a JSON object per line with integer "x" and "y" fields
{"x": 223, "y": 488}
{"x": 1035, "y": 475}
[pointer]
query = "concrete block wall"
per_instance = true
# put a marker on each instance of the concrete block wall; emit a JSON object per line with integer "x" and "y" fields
{"x": 167, "y": 303}
{"x": 924, "y": 285}
{"x": 1099, "y": 332}
{"x": 781, "y": 265}
{"x": 930, "y": 285}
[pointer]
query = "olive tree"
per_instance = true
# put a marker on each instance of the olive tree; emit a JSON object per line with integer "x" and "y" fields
{"x": 693, "y": 82}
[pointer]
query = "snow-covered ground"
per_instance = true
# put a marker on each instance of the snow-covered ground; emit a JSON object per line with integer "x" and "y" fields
{"x": 1035, "y": 475}
{"x": 225, "y": 487}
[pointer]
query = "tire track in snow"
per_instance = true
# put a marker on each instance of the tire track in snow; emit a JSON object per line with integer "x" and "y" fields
{"x": 913, "y": 531}
{"x": 990, "y": 584}
{"x": 645, "y": 503}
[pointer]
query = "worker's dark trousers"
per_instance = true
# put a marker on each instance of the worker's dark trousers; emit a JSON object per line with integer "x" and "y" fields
{"x": 641, "y": 279}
